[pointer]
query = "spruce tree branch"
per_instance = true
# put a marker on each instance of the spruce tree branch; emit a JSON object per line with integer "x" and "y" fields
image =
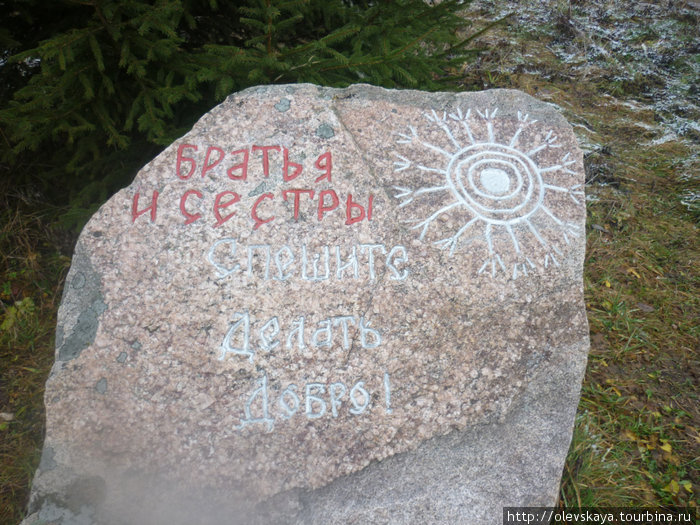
{"x": 384, "y": 58}
{"x": 309, "y": 62}
{"x": 4, "y": 136}
{"x": 102, "y": 18}
{"x": 304, "y": 47}
{"x": 471, "y": 37}
{"x": 85, "y": 33}
{"x": 269, "y": 29}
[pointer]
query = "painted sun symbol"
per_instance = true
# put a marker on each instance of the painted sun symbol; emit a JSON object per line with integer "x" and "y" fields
{"x": 501, "y": 185}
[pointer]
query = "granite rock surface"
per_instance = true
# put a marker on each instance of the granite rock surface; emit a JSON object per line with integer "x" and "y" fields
{"x": 326, "y": 306}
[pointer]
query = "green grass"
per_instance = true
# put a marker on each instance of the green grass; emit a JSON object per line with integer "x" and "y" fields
{"x": 637, "y": 435}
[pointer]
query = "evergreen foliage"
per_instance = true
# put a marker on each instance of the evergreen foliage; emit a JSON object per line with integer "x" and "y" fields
{"x": 92, "y": 89}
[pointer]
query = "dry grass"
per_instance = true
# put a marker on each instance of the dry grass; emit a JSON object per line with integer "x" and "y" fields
{"x": 31, "y": 272}
{"x": 637, "y": 431}
{"x": 637, "y": 437}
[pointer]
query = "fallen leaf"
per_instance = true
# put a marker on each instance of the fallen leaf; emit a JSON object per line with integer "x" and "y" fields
{"x": 630, "y": 435}
{"x": 633, "y": 272}
{"x": 672, "y": 487}
{"x": 646, "y": 308}
{"x": 653, "y": 442}
{"x": 673, "y": 460}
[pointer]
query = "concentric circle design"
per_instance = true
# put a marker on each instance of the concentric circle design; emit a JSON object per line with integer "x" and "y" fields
{"x": 498, "y": 183}
{"x": 495, "y": 180}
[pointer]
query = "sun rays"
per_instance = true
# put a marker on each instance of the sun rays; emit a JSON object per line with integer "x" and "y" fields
{"x": 500, "y": 183}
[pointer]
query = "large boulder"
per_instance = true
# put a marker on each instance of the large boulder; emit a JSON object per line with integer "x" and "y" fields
{"x": 326, "y": 306}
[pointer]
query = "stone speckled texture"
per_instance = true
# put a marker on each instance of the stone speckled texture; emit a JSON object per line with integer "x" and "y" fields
{"x": 345, "y": 306}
